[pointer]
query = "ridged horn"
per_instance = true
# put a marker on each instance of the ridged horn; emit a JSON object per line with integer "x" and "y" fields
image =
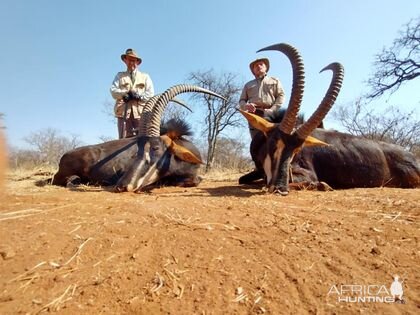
{"x": 147, "y": 115}
{"x": 289, "y": 120}
{"x": 327, "y": 102}
{"x": 179, "y": 102}
{"x": 154, "y": 126}
{"x": 147, "y": 112}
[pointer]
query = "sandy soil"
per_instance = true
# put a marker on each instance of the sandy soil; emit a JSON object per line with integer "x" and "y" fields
{"x": 215, "y": 249}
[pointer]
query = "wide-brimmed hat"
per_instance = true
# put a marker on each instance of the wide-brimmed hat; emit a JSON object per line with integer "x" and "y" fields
{"x": 130, "y": 53}
{"x": 265, "y": 60}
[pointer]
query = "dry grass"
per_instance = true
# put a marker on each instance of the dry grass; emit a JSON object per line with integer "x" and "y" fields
{"x": 49, "y": 170}
{"x": 23, "y": 173}
{"x": 217, "y": 175}
{"x": 3, "y": 159}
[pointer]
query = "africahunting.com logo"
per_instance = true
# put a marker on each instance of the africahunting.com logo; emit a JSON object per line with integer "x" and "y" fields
{"x": 373, "y": 293}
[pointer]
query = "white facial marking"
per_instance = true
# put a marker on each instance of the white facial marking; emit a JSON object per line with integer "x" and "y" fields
{"x": 146, "y": 159}
{"x": 150, "y": 177}
{"x": 267, "y": 168}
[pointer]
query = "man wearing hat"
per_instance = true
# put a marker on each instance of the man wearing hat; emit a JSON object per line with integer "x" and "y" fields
{"x": 130, "y": 89}
{"x": 264, "y": 94}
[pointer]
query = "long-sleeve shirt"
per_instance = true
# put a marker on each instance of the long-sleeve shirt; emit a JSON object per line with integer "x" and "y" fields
{"x": 266, "y": 92}
{"x": 123, "y": 83}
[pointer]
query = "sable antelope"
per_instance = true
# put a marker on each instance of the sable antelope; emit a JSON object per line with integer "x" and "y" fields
{"x": 316, "y": 155}
{"x": 120, "y": 161}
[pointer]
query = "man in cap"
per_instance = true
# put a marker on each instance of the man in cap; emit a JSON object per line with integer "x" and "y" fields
{"x": 264, "y": 94}
{"x": 130, "y": 89}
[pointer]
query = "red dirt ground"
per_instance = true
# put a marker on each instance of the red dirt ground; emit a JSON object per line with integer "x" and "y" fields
{"x": 215, "y": 249}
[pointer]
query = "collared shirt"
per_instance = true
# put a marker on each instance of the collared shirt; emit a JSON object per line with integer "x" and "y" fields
{"x": 123, "y": 83}
{"x": 266, "y": 92}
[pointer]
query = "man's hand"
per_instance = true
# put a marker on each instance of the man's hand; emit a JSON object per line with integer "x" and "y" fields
{"x": 126, "y": 97}
{"x": 135, "y": 96}
{"x": 250, "y": 107}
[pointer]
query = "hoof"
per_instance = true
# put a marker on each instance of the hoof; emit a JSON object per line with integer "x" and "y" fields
{"x": 323, "y": 186}
{"x": 73, "y": 181}
{"x": 119, "y": 189}
{"x": 278, "y": 191}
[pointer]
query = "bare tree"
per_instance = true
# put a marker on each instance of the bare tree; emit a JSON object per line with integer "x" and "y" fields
{"x": 393, "y": 67}
{"x": 393, "y": 125}
{"x": 398, "y": 64}
{"x": 232, "y": 154}
{"x": 220, "y": 114}
{"x": 23, "y": 158}
{"x": 50, "y": 145}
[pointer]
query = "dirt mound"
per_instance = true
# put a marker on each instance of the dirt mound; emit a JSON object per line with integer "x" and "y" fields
{"x": 215, "y": 249}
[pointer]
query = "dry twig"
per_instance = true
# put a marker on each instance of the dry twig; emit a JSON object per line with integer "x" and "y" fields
{"x": 158, "y": 283}
{"x": 394, "y": 218}
{"x": 27, "y": 272}
{"x": 79, "y": 249}
{"x": 6, "y": 216}
{"x": 55, "y": 304}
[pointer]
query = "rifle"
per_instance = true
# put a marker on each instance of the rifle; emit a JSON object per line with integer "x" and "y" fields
{"x": 124, "y": 131}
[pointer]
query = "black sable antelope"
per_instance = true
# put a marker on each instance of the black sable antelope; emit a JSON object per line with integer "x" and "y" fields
{"x": 315, "y": 155}
{"x": 166, "y": 156}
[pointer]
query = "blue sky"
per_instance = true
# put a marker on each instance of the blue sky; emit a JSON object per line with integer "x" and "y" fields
{"x": 58, "y": 58}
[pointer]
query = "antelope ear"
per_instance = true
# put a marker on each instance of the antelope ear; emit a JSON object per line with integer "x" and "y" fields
{"x": 313, "y": 142}
{"x": 181, "y": 152}
{"x": 184, "y": 154}
{"x": 258, "y": 122}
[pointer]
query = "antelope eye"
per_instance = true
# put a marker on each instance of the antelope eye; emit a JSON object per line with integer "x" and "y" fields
{"x": 155, "y": 148}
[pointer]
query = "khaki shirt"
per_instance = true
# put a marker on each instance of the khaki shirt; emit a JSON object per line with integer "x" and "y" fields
{"x": 122, "y": 83}
{"x": 266, "y": 93}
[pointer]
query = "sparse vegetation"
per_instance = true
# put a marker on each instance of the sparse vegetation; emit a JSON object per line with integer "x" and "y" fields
{"x": 393, "y": 67}
{"x": 398, "y": 64}
{"x": 219, "y": 114}
{"x": 47, "y": 146}
{"x": 393, "y": 125}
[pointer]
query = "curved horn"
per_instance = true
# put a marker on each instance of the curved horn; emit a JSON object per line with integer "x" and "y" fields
{"x": 327, "y": 102}
{"x": 179, "y": 102}
{"x": 154, "y": 126}
{"x": 148, "y": 109}
{"x": 289, "y": 120}
{"x": 147, "y": 114}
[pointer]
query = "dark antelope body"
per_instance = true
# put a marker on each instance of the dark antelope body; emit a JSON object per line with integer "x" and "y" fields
{"x": 100, "y": 164}
{"x": 134, "y": 163}
{"x": 106, "y": 163}
{"x": 349, "y": 161}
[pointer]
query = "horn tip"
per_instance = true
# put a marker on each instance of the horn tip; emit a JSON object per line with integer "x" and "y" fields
{"x": 334, "y": 66}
